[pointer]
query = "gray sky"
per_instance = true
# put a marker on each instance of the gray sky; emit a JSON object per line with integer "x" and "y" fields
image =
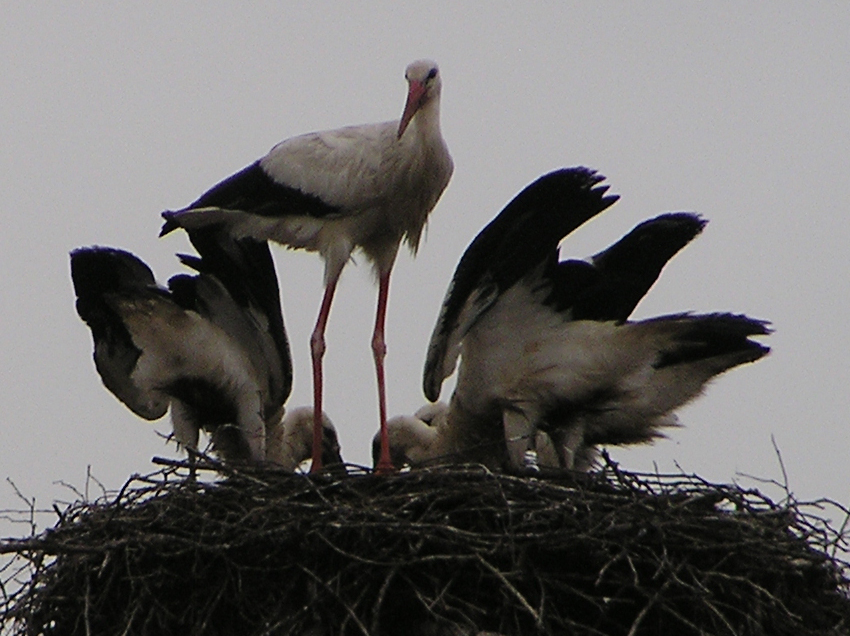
{"x": 111, "y": 113}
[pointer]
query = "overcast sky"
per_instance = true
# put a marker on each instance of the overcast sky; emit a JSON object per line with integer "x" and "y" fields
{"x": 110, "y": 113}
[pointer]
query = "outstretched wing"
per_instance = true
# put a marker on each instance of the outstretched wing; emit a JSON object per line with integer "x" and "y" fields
{"x": 614, "y": 281}
{"x": 251, "y": 311}
{"x": 518, "y": 240}
{"x": 104, "y": 279}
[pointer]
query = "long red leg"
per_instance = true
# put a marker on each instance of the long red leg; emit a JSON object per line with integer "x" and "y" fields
{"x": 379, "y": 350}
{"x": 317, "y": 351}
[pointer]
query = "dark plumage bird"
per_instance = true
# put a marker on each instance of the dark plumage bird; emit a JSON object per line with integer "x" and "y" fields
{"x": 212, "y": 346}
{"x": 368, "y": 187}
{"x": 544, "y": 344}
{"x": 610, "y": 284}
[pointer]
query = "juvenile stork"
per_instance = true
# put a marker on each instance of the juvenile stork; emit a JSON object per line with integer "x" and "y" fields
{"x": 441, "y": 433}
{"x": 544, "y": 344}
{"x": 212, "y": 346}
{"x": 368, "y": 187}
{"x": 290, "y": 442}
{"x": 606, "y": 286}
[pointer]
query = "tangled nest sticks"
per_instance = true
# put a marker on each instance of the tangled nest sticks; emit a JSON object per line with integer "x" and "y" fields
{"x": 451, "y": 551}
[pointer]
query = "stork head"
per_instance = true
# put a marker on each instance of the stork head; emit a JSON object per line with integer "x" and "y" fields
{"x": 433, "y": 413}
{"x": 423, "y": 80}
{"x": 412, "y": 436}
{"x": 290, "y": 441}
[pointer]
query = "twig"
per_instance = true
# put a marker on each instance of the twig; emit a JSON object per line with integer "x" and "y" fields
{"x": 516, "y": 593}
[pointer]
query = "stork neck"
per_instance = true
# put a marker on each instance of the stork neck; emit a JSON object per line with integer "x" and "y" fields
{"x": 426, "y": 122}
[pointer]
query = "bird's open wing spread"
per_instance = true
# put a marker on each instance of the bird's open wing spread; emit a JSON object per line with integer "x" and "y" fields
{"x": 611, "y": 284}
{"x": 105, "y": 278}
{"x": 238, "y": 291}
{"x": 520, "y": 239}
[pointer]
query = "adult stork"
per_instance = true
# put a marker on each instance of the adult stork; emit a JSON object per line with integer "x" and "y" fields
{"x": 212, "y": 346}
{"x": 544, "y": 344}
{"x": 368, "y": 187}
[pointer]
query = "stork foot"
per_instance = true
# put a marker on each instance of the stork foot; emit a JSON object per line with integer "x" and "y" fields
{"x": 385, "y": 467}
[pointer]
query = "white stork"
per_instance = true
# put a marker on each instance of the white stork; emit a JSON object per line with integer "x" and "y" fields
{"x": 366, "y": 187}
{"x": 211, "y": 346}
{"x": 290, "y": 442}
{"x": 441, "y": 433}
{"x": 544, "y": 344}
{"x": 606, "y": 286}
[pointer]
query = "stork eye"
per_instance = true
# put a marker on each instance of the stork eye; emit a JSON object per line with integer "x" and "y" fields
{"x": 432, "y": 74}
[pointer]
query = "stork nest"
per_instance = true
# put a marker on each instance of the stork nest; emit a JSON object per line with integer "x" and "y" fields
{"x": 445, "y": 551}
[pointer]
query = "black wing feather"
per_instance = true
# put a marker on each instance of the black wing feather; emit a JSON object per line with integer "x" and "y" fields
{"x": 518, "y": 240}
{"x": 719, "y": 335}
{"x": 103, "y": 277}
{"x": 246, "y": 269}
{"x": 622, "y": 274}
{"x": 252, "y": 190}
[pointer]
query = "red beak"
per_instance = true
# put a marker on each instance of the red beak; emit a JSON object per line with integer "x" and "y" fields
{"x": 414, "y": 101}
